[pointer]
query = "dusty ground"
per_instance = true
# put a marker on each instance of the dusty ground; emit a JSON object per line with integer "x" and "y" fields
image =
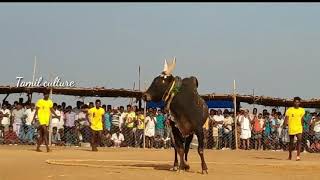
{"x": 23, "y": 163}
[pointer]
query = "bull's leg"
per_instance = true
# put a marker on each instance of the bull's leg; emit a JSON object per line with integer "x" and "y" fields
{"x": 186, "y": 150}
{"x": 200, "y": 137}
{"x": 178, "y": 142}
{"x": 175, "y": 164}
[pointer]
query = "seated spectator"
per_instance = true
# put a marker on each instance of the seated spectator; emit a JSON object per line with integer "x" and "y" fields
{"x": 106, "y": 139}
{"x": 316, "y": 127}
{"x": 158, "y": 141}
{"x": 55, "y": 139}
{"x": 10, "y": 137}
{"x": 62, "y": 136}
{"x": 315, "y": 147}
{"x": 1, "y": 134}
{"x": 117, "y": 139}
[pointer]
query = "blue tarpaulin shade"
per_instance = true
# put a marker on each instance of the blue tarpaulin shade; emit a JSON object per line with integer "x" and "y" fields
{"x": 211, "y": 104}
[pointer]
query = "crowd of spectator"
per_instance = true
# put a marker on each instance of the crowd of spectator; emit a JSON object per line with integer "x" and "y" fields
{"x": 71, "y": 127}
{"x": 259, "y": 131}
{"x": 125, "y": 127}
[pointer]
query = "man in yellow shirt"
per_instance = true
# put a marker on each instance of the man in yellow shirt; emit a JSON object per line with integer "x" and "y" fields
{"x": 44, "y": 108}
{"x": 206, "y": 132}
{"x": 294, "y": 120}
{"x": 96, "y": 119}
{"x": 129, "y": 125}
{"x": 140, "y": 127}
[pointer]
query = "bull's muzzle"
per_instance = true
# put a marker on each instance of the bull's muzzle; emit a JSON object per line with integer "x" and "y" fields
{"x": 146, "y": 97}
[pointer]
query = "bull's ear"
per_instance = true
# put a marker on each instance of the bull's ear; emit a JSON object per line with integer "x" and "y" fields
{"x": 165, "y": 68}
{"x": 172, "y": 66}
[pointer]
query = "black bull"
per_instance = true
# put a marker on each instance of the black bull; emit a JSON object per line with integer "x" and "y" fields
{"x": 189, "y": 111}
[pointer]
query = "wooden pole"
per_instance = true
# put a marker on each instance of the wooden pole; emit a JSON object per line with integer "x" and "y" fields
{"x": 131, "y": 100}
{"x": 140, "y": 104}
{"x": 144, "y": 121}
{"x": 144, "y": 124}
{"x": 254, "y": 104}
{"x": 50, "y": 127}
{"x": 34, "y": 68}
{"x": 235, "y": 113}
{"x": 34, "y": 73}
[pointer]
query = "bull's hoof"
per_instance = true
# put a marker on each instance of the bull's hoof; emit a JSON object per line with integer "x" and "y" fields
{"x": 206, "y": 171}
{"x": 174, "y": 168}
{"x": 186, "y": 167}
{"x": 204, "y": 168}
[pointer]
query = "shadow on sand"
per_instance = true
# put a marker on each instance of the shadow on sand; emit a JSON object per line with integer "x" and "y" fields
{"x": 160, "y": 167}
{"x": 269, "y": 158}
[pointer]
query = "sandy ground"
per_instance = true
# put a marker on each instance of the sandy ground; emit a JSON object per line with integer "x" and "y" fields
{"x": 66, "y": 163}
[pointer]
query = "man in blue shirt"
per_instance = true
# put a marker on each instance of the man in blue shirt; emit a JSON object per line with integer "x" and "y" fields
{"x": 107, "y": 117}
{"x": 160, "y": 124}
{"x": 306, "y": 126}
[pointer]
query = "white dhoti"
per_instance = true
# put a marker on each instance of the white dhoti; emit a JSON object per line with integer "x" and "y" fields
{"x": 245, "y": 134}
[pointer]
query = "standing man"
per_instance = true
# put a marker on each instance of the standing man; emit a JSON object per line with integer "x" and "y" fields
{"x": 294, "y": 120}
{"x": 245, "y": 125}
{"x": 43, "y": 111}
{"x": 160, "y": 124}
{"x": 29, "y": 113}
{"x": 96, "y": 118}
{"x": 70, "y": 126}
{"x": 130, "y": 120}
{"x": 6, "y": 115}
{"x": 140, "y": 127}
{"x": 218, "y": 119}
{"x": 17, "y": 120}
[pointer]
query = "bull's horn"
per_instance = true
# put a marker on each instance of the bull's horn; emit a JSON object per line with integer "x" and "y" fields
{"x": 165, "y": 68}
{"x": 172, "y": 66}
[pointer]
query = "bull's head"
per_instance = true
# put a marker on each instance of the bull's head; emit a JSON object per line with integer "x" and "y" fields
{"x": 161, "y": 83}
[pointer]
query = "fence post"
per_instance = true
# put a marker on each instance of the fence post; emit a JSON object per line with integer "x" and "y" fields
{"x": 235, "y": 113}
{"x": 50, "y": 119}
{"x": 144, "y": 124}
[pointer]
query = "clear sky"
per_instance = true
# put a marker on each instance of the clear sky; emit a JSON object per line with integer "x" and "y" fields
{"x": 273, "y": 48}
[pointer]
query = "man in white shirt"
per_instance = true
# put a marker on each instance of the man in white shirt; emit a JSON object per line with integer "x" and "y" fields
{"x": 55, "y": 120}
{"x": 316, "y": 128}
{"x": 85, "y": 129}
{"x": 60, "y": 113}
{"x": 117, "y": 139}
{"x": 122, "y": 117}
{"x": 6, "y": 114}
{"x": 218, "y": 119}
{"x": 213, "y": 127}
{"x": 29, "y": 113}
{"x": 227, "y": 129}
{"x": 245, "y": 124}
{"x": 17, "y": 118}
